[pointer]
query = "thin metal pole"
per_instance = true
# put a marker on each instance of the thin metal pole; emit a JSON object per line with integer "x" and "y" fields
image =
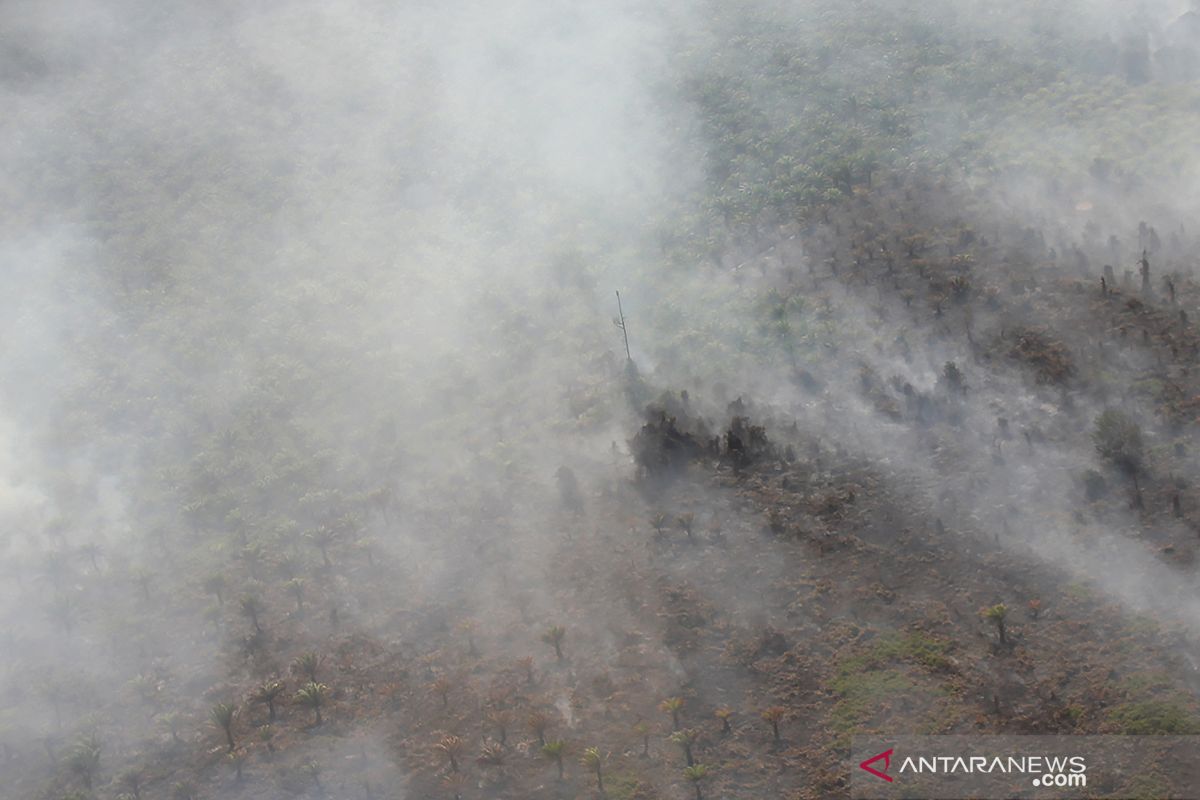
{"x": 621, "y": 325}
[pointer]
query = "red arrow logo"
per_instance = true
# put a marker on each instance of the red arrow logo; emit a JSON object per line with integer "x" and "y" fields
{"x": 886, "y": 755}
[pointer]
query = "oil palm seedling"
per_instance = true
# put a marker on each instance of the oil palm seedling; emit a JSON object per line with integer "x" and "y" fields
{"x": 538, "y": 722}
{"x": 594, "y": 760}
{"x": 554, "y": 751}
{"x": 554, "y": 636}
{"x": 997, "y": 615}
{"x": 252, "y": 608}
{"x": 773, "y": 716}
{"x": 695, "y": 774}
{"x": 452, "y": 747}
{"x": 222, "y": 715}
{"x": 725, "y": 715}
{"x": 268, "y": 693}
{"x": 312, "y": 694}
{"x": 307, "y": 664}
{"x": 658, "y": 522}
{"x": 686, "y": 738}
{"x": 672, "y": 706}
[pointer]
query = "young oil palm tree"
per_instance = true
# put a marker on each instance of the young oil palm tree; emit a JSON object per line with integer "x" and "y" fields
{"x": 252, "y": 608}
{"x": 215, "y": 585}
{"x": 554, "y": 636}
{"x": 672, "y": 706}
{"x": 307, "y": 664}
{"x": 491, "y": 754}
{"x": 526, "y": 665}
{"x": 773, "y": 716}
{"x": 554, "y": 751}
{"x": 252, "y": 556}
{"x": 441, "y": 686}
{"x": 295, "y": 587}
{"x": 593, "y": 759}
{"x": 500, "y": 719}
{"x": 468, "y": 628}
{"x": 222, "y": 715}
{"x": 323, "y": 538}
{"x": 367, "y": 545}
{"x": 452, "y": 746}
{"x": 643, "y": 730}
{"x": 312, "y": 694}
{"x": 84, "y": 759}
{"x": 131, "y": 781}
{"x": 725, "y": 714}
{"x": 685, "y": 739}
{"x": 312, "y": 770}
{"x": 997, "y": 614}
{"x": 56, "y": 569}
{"x": 455, "y": 783}
{"x": 172, "y": 721}
{"x": 238, "y": 759}
{"x": 695, "y": 774}
{"x": 686, "y": 523}
{"x": 143, "y": 579}
{"x": 62, "y": 611}
{"x": 538, "y": 722}
{"x": 92, "y": 552}
{"x": 267, "y": 694}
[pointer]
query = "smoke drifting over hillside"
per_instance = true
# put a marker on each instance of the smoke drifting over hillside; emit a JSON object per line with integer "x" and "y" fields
{"x": 307, "y": 347}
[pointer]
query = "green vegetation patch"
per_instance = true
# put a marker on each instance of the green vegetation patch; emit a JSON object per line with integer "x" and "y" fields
{"x": 1155, "y": 717}
{"x": 1155, "y": 707}
{"x": 872, "y": 681}
{"x": 920, "y": 648}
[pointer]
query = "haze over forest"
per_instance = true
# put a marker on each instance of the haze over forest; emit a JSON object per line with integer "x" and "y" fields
{"x": 325, "y": 472}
